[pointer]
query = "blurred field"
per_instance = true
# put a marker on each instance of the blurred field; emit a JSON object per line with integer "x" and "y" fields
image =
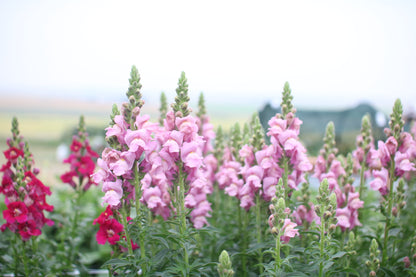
{"x": 46, "y": 123}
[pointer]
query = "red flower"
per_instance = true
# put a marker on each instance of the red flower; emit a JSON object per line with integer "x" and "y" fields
{"x": 28, "y": 229}
{"x": 104, "y": 216}
{"x": 91, "y": 152}
{"x": 75, "y": 146}
{"x": 109, "y": 231}
{"x": 67, "y": 178}
{"x": 16, "y": 211}
{"x": 36, "y": 186}
{"x": 86, "y": 166}
{"x": 13, "y": 153}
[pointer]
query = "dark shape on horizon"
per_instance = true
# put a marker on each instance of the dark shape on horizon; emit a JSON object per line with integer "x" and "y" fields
{"x": 347, "y": 124}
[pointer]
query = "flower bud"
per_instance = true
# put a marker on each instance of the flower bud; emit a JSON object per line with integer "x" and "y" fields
{"x": 372, "y": 273}
{"x": 327, "y": 215}
{"x": 406, "y": 261}
{"x": 394, "y": 211}
{"x": 225, "y": 258}
{"x": 368, "y": 263}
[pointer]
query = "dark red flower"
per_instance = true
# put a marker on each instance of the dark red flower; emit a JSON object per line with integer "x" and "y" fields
{"x": 16, "y": 212}
{"x": 28, "y": 229}
{"x": 68, "y": 178}
{"x": 109, "y": 231}
{"x": 13, "y": 153}
{"x": 76, "y": 146}
{"x": 104, "y": 216}
{"x": 86, "y": 166}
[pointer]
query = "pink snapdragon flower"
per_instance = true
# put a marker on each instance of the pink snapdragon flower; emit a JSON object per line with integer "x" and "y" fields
{"x": 302, "y": 214}
{"x": 288, "y": 230}
{"x": 380, "y": 181}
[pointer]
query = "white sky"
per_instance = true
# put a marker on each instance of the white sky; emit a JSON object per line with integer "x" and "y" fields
{"x": 333, "y": 53}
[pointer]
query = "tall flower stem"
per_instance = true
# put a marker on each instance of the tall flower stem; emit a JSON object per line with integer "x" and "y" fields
{"x": 259, "y": 230}
{"x": 244, "y": 242}
{"x": 277, "y": 258}
{"x": 138, "y": 195}
{"x": 73, "y": 234}
{"x": 182, "y": 212}
{"x": 125, "y": 224}
{"x": 362, "y": 179}
{"x": 388, "y": 212}
{"x": 25, "y": 261}
{"x": 322, "y": 246}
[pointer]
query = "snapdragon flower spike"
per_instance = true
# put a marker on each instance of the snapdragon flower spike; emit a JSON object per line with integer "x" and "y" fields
{"x": 190, "y": 147}
{"x": 206, "y": 130}
{"x": 399, "y": 150}
{"x": 25, "y": 194}
{"x": 288, "y": 151}
{"x": 279, "y": 222}
{"x": 364, "y": 146}
{"x": 81, "y": 160}
{"x": 339, "y": 181}
{"x": 305, "y": 213}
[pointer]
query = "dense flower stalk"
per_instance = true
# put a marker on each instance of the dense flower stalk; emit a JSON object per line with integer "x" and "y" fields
{"x": 339, "y": 181}
{"x": 394, "y": 159}
{"x": 25, "y": 195}
{"x": 81, "y": 161}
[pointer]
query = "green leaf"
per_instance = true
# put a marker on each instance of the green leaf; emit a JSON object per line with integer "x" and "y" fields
{"x": 338, "y": 255}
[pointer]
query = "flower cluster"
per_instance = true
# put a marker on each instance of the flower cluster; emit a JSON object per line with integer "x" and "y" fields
{"x": 25, "y": 194}
{"x": 279, "y": 223}
{"x": 111, "y": 229}
{"x": 393, "y": 158}
{"x": 329, "y": 167}
{"x": 156, "y": 157}
{"x": 261, "y": 165}
{"x": 81, "y": 161}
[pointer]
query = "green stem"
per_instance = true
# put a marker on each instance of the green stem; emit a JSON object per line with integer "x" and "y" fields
{"x": 322, "y": 246}
{"x": 388, "y": 212}
{"x": 25, "y": 262}
{"x": 138, "y": 195}
{"x": 244, "y": 243}
{"x": 362, "y": 179}
{"x": 277, "y": 258}
{"x": 182, "y": 213}
{"x": 125, "y": 224}
{"x": 73, "y": 233}
{"x": 259, "y": 230}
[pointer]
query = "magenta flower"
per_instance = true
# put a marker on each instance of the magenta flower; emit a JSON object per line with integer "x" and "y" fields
{"x": 16, "y": 212}
{"x": 109, "y": 231}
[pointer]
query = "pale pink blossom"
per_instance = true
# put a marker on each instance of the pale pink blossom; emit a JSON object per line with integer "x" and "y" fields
{"x": 380, "y": 181}
{"x": 118, "y": 129}
{"x": 124, "y": 164}
{"x": 113, "y": 192}
{"x": 288, "y": 231}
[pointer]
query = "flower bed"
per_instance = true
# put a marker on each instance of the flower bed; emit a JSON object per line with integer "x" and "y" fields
{"x": 180, "y": 199}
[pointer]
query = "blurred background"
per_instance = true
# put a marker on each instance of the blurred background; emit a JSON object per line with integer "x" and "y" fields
{"x": 61, "y": 59}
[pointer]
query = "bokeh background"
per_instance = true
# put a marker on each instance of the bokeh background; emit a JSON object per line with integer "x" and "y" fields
{"x": 61, "y": 59}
